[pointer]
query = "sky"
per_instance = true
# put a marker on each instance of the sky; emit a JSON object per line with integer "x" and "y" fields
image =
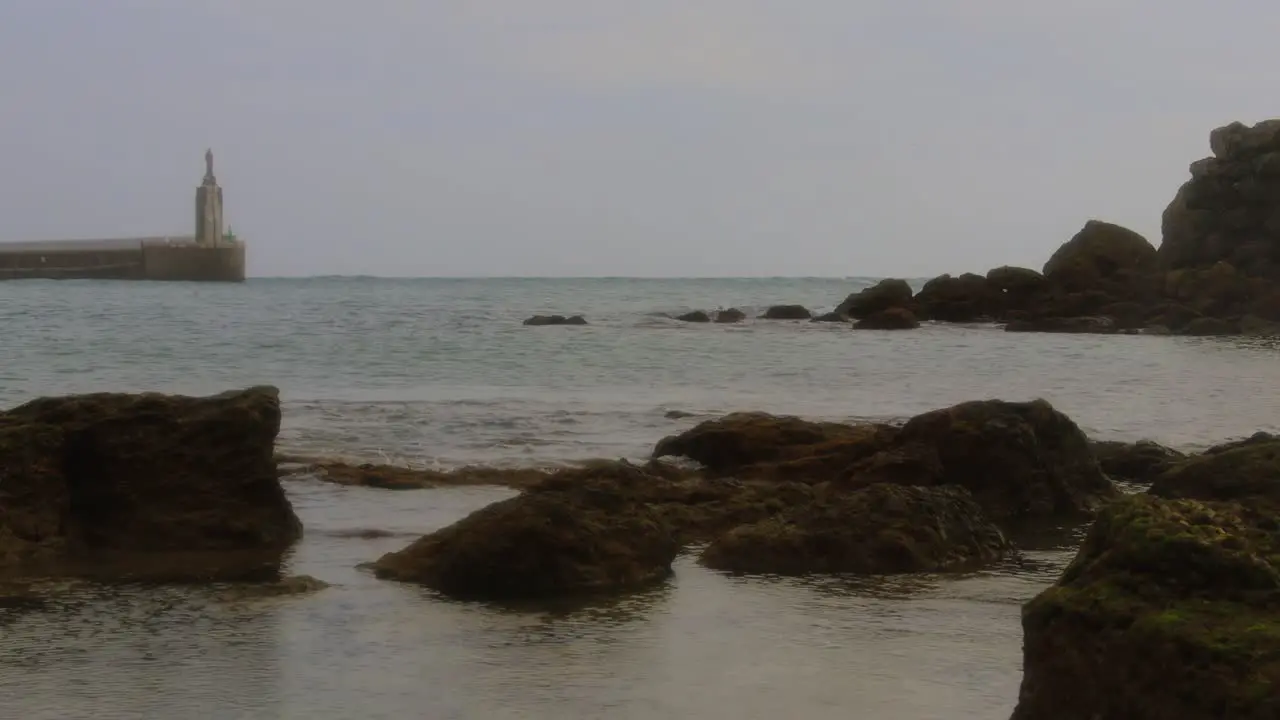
{"x": 682, "y": 138}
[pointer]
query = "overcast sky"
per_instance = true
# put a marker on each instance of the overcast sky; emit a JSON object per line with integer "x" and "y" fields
{"x": 620, "y": 137}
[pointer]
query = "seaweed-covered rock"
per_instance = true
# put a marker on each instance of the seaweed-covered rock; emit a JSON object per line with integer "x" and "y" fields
{"x": 1136, "y": 462}
{"x": 149, "y": 485}
{"x": 891, "y": 319}
{"x": 888, "y": 293}
{"x": 1249, "y": 471}
{"x": 540, "y": 320}
{"x": 880, "y": 529}
{"x": 579, "y": 532}
{"x": 787, "y": 312}
{"x": 755, "y": 444}
{"x": 1170, "y": 611}
{"x": 1019, "y": 459}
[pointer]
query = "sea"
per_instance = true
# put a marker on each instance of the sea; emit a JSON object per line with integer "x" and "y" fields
{"x": 440, "y": 373}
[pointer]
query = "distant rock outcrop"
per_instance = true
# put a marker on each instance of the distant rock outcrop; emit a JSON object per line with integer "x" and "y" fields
{"x": 787, "y": 312}
{"x": 1216, "y": 272}
{"x": 144, "y": 486}
{"x": 537, "y": 320}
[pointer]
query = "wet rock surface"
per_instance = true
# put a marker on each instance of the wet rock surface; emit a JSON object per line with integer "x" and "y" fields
{"x": 540, "y": 320}
{"x": 881, "y": 529}
{"x": 895, "y": 318}
{"x": 1139, "y": 462}
{"x": 144, "y": 486}
{"x": 1168, "y": 612}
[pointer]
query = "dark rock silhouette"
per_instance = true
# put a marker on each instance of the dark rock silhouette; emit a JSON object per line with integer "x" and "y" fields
{"x": 895, "y": 318}
{"x": 146, "y": 486}
{"x": 731, "y": 315}
{"x": 556, "y": 320}
{"x": 787, "y": 312}
{"x": 696, "y": 316}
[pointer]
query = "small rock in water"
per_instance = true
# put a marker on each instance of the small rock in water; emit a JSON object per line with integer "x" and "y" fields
{"x": 731, "y": 315}
{"x": 556, "y": 320}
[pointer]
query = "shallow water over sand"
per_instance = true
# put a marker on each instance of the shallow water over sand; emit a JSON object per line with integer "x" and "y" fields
{"x": 704, "y": 645}
{"x": 441, "y": 373}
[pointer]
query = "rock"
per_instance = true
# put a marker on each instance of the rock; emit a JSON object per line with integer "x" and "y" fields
{"x": 787, "y": 312}
{"x": 580, "y": 532}
{"x": 732, "y": 315}
{"x": 885, "y": 294}
{"x": 1136, "y": 462}
{"x": 774, "y": 446}
{"x": 1100, "y": 251}
{"x": 1017, "y": 283}
{"x": 963, "y": 299}
{"x": 1228, "y": 213}
{"x": 1258, "y": 327}
{"x": 831, "y": 317}
{"x": 880, "y": 529}
{"x": 1248, "y": 471}
{"x": 289, "y": 586}
{"x": 147, "y": 486}
{"x": 697, "y": 316}
{"x": 1097, "y": 325}
{"x": 1168, "y": 612}
{"x": 394, "y": 477}
{"x": 892, "y": 319}
{"x": 556, "y": 320}
{"x": 1207, "y": 326}
{"x": 1257, "y": 438}
{"x": 1019, "y": 459}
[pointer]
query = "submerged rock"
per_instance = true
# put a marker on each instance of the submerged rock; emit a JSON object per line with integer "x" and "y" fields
{"x": 144, "y": 486}
{"x": 731, "y": 315}
{"x": 1137, "y": 462}
{"x": 895, "y": 318}
{"x": 1099, "y": 325}
{"x": 537, "y": 320}
{"x": 1019, "y": 459}
{"x": 831, "y": 317}
{"x": 1168, "y": 612}
{"x": 787, "y": 312}
{"x": 696, "y": 316}
{"x": 394, "y": 477}
{"x": 880, "y": 529}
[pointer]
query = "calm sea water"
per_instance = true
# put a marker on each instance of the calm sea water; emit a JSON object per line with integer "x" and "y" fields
{"x": 441, "y": 373}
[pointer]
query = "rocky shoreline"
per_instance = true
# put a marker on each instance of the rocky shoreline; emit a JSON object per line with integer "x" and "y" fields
{"x": 1216, "y": 271}
{"x": 1181, "y": 580}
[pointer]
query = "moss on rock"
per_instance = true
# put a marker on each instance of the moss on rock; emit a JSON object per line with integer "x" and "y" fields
{"x": 1170, "y": 610}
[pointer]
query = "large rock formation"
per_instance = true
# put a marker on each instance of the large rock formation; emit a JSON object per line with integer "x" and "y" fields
{"x": 161, "y": 486}
{"x": 1019, "y": 459}
{"x": 892, "y": 319}
{"x": 880, "y": 529}
{"x": 1168, "y": 612}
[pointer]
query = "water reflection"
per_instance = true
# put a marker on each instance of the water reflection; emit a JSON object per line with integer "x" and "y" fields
{"x": 142, "y": 652}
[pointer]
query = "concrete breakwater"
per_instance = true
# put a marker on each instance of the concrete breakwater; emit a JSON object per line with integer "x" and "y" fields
{"x": 154, "y": 258}
{"x": 209, "y": 255}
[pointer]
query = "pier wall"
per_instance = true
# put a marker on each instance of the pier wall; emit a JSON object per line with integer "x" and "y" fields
{"x": 140, "y": 259}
